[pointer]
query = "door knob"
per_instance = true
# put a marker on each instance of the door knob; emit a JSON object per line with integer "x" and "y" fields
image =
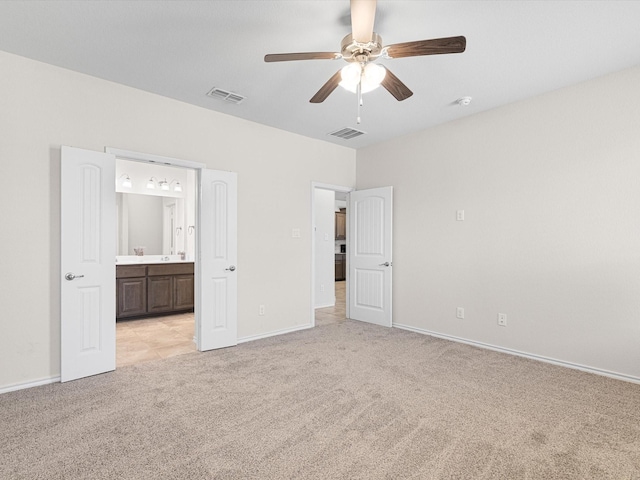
{"x": 70, "y": 276}
{"x": 231, "y": 268}
{"x": 385, "y": 264}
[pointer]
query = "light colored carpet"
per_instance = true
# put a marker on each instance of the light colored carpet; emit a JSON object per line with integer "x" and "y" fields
{"x": 343, "y": 400}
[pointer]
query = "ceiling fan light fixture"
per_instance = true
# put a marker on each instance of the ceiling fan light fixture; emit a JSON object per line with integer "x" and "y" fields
{"x": 350, "y": 75}
{"x": 370, "y": 76}
{"x": 373, "y": 74}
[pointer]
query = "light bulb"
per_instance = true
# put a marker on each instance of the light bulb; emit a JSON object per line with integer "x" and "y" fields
{"x": 126, "y": 183}
{"x": 164, "y": 185}
{"x": 369, "y": 77}
{"x": 178, "y": 187}
{"x": 151, "y": 184}
{"x": 375, "y": 72}
{"x": 372, "y": 75}
{"x": 351, "y": 76}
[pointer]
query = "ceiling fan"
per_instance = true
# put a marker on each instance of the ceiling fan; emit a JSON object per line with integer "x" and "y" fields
{"x": 361, "y": 48}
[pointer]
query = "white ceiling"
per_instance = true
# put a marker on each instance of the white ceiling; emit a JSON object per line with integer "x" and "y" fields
{"x": 181, "y": 49}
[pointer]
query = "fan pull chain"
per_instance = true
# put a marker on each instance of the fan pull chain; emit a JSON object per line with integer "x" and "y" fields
{"x": 359, "y": 91}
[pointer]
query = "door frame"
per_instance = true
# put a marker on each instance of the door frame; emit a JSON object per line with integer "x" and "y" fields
{"x": 335, "y": 188}
{"x": 175, "y": 162}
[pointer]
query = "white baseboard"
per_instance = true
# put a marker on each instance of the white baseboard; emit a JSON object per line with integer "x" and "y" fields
{"x": 562, "y": 363}
{"x": 325, "y": 306}
{"x": 35, "y": 383}
{"x": 46, "y": 381}
{"x": 273, "y": 334}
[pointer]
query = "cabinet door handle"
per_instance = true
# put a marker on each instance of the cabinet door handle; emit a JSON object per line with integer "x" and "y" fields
{"x": 231, "y": 268}
{"x": 385, "y": 264}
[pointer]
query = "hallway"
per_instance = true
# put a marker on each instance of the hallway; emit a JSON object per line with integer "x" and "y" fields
{"x": 337, "y": 313}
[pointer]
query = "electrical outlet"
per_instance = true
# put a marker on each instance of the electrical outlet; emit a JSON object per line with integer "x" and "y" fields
{"x": 460, "y": 312}
{"x": 460, "y": 215}
{"x": 295, "y": 233}
{"x": 502, "y": 319}
{"x": 261, "y": 310}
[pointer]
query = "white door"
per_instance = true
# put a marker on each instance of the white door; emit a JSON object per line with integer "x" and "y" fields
{"x": 88, "y": 253}
{"x": 370, "y": 255}
{"x": 217, "y": 292}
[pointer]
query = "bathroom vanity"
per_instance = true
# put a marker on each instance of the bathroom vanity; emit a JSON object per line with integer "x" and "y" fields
{"x": 153, "y": 289}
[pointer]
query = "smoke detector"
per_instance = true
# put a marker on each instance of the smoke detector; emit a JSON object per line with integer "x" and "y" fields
{"x": 463, "y": 101}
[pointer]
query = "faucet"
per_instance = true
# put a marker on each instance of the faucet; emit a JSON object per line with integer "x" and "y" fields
{"x": 166, "y": 259}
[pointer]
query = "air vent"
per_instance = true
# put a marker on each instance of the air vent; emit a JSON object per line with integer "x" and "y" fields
{"x": 346, "y": 133}
{"x": 225, "y": 95}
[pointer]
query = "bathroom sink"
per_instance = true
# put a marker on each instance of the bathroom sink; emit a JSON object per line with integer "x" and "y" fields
{"x": 134, "y": 259}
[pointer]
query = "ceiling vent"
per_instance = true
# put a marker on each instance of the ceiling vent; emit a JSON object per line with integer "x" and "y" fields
{"x": 225, "y": 95}
{"x": 346, "y": 133}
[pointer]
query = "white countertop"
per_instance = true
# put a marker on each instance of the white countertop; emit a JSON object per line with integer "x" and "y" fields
{"x": 146, "y": 259}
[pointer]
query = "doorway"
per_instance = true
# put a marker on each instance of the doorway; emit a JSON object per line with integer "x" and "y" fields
{"x": 88, "y": 248}
{"x": 156, "y": 224}
{"x": 336, "y": 313}
{"x": 369, "y": 253}
{"x": 329, "y": 254}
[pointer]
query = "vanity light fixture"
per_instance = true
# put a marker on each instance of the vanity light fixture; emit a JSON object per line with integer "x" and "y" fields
{"x": 126, "y": 183}
{"x": 177, "y": 187}
{"x": 164, "y": 185}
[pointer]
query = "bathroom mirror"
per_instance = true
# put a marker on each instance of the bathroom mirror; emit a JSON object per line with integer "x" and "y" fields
{"x": 151, "y": 222}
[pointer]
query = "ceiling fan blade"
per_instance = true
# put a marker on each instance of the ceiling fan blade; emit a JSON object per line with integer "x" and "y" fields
{"x": 286, "y": 57}
{"x": 395, "y": 86}
{"x": 363, "y": 15}
{"x": 327, "y": 88}
{"x": 435, "y": 46}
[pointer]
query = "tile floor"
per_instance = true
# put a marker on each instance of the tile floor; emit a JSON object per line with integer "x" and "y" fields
{"x": 337, "y": 313}
{"x": 154, "y": 338}
{"x": 163, "y": 337}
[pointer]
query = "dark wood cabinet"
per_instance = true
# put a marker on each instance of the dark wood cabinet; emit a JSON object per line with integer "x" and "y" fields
{"x": 341, "y": 266}
{"x": 132, "y": 296}
{"x": 183, "y": 292}
{"x": 154, "y": 289}
{"x": 131, "y": 290}
{"x": 159, "y": 294}
{"x": 341, "y": 224}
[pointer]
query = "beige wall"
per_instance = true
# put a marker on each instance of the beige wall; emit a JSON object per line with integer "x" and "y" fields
{"x": 551, "y": 192}
{"x": 43, "y": 107}
{"x": 550, "y": 188}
